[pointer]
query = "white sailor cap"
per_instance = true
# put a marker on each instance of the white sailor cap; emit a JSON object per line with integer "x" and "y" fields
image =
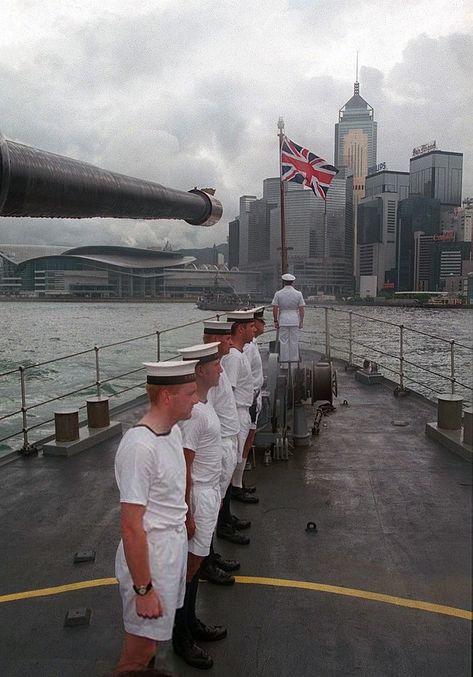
{"x": 287, "y": 277}
{"x": 241, "y": 316}
{"x": 213, "y": 327}
{"x": 169, "y": 373}
{"x": 203, "y": 352}
{"x": 258, "y": 313}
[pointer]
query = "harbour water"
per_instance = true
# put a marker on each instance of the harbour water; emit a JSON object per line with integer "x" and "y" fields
{"x": 35, "y": 333}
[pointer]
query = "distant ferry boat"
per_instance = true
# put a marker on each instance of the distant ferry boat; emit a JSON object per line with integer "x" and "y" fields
{"x": 222, "y": 301}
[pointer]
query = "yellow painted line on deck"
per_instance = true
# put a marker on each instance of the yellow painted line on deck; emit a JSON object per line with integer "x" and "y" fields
{"x": 272, "y": 582}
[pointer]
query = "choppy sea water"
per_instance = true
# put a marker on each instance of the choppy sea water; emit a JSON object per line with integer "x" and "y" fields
{"x": 35, "y": 333}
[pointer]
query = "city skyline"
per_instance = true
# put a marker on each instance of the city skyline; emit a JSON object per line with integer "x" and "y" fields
{"x": 158, "y": 92}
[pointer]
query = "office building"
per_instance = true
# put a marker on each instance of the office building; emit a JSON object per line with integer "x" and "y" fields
{"x": 356, "y": 146}
{"x": 377, "y": 219}
{"x": 437, "y": 174}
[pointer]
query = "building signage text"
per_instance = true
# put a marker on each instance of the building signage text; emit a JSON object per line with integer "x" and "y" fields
{"x": 376, "y": 168}
{"x": 446, "y": 236}
{"x": 425, "y": 148}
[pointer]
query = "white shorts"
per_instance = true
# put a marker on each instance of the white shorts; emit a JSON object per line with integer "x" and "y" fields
{"x": 259, "y": 404}
{"x": 168, "y": 564}
{"x": 245, "y": 425}
{"x": 205, "y": 507}
{"x": 229, "y": 461}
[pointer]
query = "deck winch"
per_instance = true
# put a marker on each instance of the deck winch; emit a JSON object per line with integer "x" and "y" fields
{"x": 289, "y": 387}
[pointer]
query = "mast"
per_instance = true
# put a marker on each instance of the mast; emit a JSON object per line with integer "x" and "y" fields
{"x": 281, "y": 208}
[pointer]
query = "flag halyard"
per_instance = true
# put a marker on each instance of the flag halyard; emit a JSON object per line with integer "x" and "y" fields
{"x": 302, "y": 166}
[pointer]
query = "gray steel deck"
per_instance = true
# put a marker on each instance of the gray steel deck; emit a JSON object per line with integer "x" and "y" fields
{"x": 393, "y": 515}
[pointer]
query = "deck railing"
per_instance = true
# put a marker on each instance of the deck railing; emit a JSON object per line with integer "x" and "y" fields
{"x": 404, "y": 365}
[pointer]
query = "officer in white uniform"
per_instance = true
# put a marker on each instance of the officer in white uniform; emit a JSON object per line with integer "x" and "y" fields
{"x": 150, "y": 471}
{"x": 203, "y": 455}
{"x": 238, "y": 369}
{"x": 288, "y": 313}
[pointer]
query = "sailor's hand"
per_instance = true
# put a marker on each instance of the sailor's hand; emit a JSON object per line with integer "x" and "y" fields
{"x": 149, "y": 605}
{"x": 190, "y": 526}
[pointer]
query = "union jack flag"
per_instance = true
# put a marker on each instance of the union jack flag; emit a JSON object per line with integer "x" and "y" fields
{"x": 301, "y": 165}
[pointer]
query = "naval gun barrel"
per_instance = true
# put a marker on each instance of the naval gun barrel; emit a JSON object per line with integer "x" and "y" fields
{"x": 37, "y": 183}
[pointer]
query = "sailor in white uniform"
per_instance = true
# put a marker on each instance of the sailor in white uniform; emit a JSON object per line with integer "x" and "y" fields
{"x": 203, "y": 455}
{"x": 238, "y": 369}
{"x": 223, "y": 401}
{"x": 150, "y": 471}
{"x": 288, "y": 313}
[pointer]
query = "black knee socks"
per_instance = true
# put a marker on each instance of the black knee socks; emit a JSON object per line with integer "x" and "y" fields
{"x": 193, "y": 587}
{"x": 225, "y": 515}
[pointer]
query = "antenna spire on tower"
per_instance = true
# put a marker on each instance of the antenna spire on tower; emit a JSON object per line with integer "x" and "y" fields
{"x": 356, "y": 88}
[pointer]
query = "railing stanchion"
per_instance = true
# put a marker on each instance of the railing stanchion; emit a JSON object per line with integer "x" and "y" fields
{"x": 97, "y": 370}
{"x": 158, "y": 346}
{"x": 350, "y": 339}
{"x": 327, "y": 335}
{"x": 27, "y": 449}
{"x": 452, "y": 365}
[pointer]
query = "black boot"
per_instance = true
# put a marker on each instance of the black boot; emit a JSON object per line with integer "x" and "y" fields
{"x": 199, "y": 630}
{"x": 227, "y": 565}
{"x": 211, "y": 572}
{"x": 239, "y": 494}
{"x": 228, "y": 533}
{"x": 239, "y": 524}
{"x": 182, "y": 641}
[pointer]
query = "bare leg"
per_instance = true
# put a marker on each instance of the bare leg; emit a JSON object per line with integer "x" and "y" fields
{"x": 136, "y": 653}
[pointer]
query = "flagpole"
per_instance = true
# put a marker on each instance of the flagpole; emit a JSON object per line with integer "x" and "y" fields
{"x": 281, "y": 207}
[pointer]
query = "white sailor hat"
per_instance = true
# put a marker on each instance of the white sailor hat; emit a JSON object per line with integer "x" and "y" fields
{"x": 169, "y": 373}
{"x": 241, "y": 316}
{"x": 258, "y": 313}
{"x": 287, "y": 277}
{"x": 213, "y": 327}
{"x": 203, "y": 352}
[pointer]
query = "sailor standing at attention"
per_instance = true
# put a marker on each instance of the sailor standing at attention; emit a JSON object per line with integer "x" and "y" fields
{"x": 251, "y": 350}
{"x": 202, "y": 444}
{"x": 151, "y": 558}
{"x": 223, "y": 401}
{"x": 238, "y": 369}
{"x": 288, "y": 314}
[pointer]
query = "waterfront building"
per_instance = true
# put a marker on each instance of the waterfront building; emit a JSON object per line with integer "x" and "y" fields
{"x": 414, "y": 214}
{"x": 109, "y": 272}
{"x": 356, "y": 147}
{"x": 437, "y": 174}
{"x": 439, "y": 262}
{"x": 377, "y": 220}
{"x": 243, "y": 218}
{"x": 319, "y": 247}
{"x": 234, "y": 243}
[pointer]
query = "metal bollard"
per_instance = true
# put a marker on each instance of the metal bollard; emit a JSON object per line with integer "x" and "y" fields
{"x": 66, "y": 425}
{"x": 468, "y": 426}
{"x": 449, "y": 411}
{"x": 97, "y": 412}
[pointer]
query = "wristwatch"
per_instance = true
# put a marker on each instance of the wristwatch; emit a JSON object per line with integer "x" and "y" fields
{"x": 142, "y": 589}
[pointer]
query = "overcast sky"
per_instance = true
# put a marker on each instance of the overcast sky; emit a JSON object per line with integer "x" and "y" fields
{"x": 189, "y": 93}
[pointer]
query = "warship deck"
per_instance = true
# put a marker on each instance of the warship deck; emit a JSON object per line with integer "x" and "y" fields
{"x": 382, "y": 588}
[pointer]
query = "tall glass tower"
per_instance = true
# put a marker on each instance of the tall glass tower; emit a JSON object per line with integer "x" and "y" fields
{"x": 355, "y": 146}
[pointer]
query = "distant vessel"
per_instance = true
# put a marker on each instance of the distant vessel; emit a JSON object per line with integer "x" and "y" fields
{"x": 222, "y": 301}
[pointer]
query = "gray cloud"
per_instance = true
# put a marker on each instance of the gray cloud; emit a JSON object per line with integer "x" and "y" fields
{"x": 192, "y": 98}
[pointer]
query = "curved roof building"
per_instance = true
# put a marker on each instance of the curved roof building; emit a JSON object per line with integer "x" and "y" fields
{"x": 101, "y": 271}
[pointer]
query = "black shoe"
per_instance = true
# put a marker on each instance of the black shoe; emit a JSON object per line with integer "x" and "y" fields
{"x": 239, "y": 524}
{"x": 185, "y": 647}
{"x": 212, "y": 573}
{"x": 249, "y": 490}
{"x": 207, "y": 633}
{"x": 226, "y": 564}
{"x": 239, "y": 494}
{"x": 228, "y": 533}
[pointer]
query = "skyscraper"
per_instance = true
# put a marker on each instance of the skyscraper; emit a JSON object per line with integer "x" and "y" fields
{"x": 356, "y": 145}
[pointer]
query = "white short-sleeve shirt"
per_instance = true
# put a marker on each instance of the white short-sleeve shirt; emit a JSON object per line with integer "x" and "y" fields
{"x": 150, "y": 470}
{"x": 251, "y": 350}
{"x": 223, "y": 401}
{"x": 201, "y": 434}
{"x": 238, "y": 369}
{"x": 289, "y": 301}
